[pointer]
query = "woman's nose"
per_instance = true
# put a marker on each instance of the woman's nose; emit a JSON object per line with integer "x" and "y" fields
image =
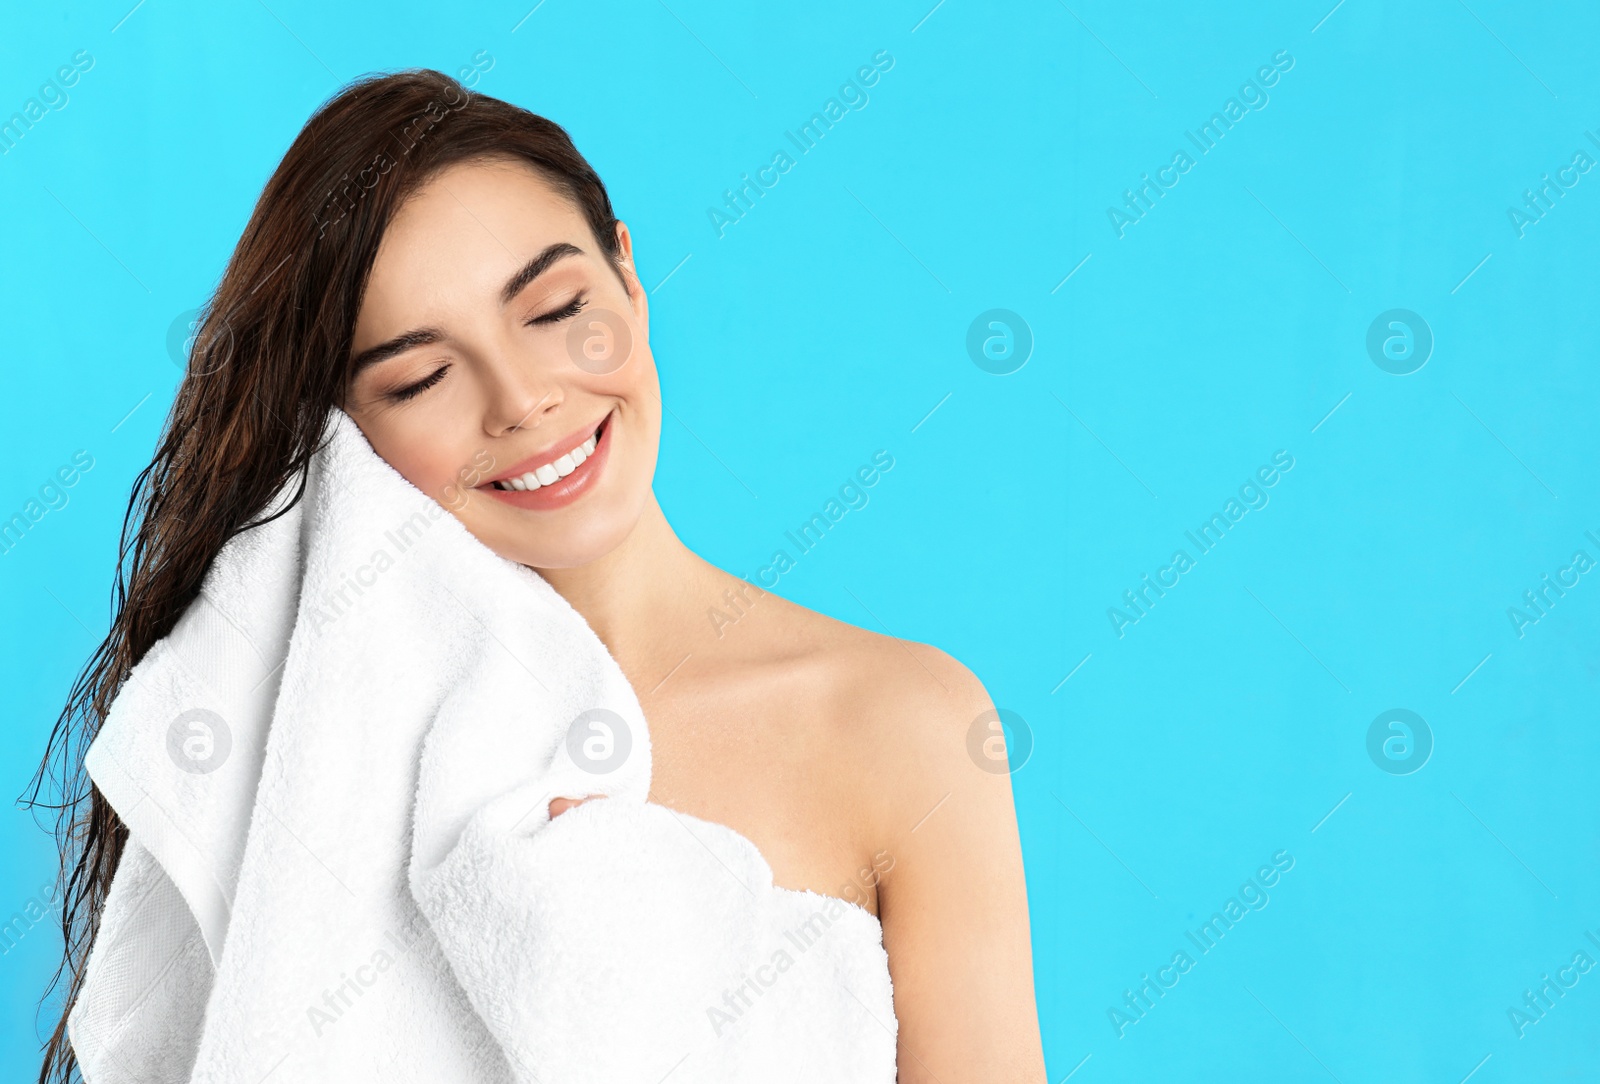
{"x": 519, "y": 396}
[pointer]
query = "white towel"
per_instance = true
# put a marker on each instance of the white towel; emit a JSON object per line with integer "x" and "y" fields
{"x": 336, "y": 772}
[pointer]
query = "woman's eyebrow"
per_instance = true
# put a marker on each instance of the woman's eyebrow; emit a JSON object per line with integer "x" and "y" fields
{"x": 536, "y": 267}
{"x": 421, "y": 336}
{"x": 425, "y": 336}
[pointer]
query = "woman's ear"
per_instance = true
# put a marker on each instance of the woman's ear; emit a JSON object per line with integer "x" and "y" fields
{"x": 638, "y": 298}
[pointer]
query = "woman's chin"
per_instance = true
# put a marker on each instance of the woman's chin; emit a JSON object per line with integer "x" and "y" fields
{"x": 578, "y": 544}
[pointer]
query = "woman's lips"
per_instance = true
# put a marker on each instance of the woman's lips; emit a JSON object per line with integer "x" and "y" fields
{"x": 564, "y": 490}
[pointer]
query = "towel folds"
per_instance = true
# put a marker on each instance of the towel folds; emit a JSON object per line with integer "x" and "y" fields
{"x": 336, "y": 773}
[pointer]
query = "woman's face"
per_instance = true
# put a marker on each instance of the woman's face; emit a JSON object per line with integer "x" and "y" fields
{"x": 496, "y": 342}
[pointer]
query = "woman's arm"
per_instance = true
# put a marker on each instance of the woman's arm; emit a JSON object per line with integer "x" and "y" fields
{"x": 954, "y": 905}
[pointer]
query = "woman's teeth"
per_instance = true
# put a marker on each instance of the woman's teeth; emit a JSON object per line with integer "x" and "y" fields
{"x": 557, "y": 469}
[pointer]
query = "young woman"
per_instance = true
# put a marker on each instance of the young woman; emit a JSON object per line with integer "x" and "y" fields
{"x": 446, "y": 268}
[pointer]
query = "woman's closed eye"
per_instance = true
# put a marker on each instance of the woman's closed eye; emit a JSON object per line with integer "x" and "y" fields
{"x": 572, "y": 308}
{"x": 420, "y": 386}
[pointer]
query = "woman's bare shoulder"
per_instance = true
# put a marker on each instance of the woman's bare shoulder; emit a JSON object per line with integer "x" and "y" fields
{"x": 899, "y": 710}
{"x": 935, "y": 809}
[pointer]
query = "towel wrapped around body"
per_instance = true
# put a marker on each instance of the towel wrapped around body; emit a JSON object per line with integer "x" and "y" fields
{"x": 336, "y": 773}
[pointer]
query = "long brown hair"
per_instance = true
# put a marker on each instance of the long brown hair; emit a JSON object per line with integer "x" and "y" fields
{"x": 268, "y": 362}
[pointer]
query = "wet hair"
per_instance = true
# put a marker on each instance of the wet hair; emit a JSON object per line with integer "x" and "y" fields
{"x": 269, "y": 360}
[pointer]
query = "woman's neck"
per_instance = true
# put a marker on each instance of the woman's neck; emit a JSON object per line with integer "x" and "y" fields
{"x": 639, "y": 597}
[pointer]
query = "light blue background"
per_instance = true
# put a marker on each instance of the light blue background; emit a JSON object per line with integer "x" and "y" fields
{"x": 832, "y": 319}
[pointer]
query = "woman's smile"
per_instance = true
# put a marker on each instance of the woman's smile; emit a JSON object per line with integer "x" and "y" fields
{"x": 557, "y": 475}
